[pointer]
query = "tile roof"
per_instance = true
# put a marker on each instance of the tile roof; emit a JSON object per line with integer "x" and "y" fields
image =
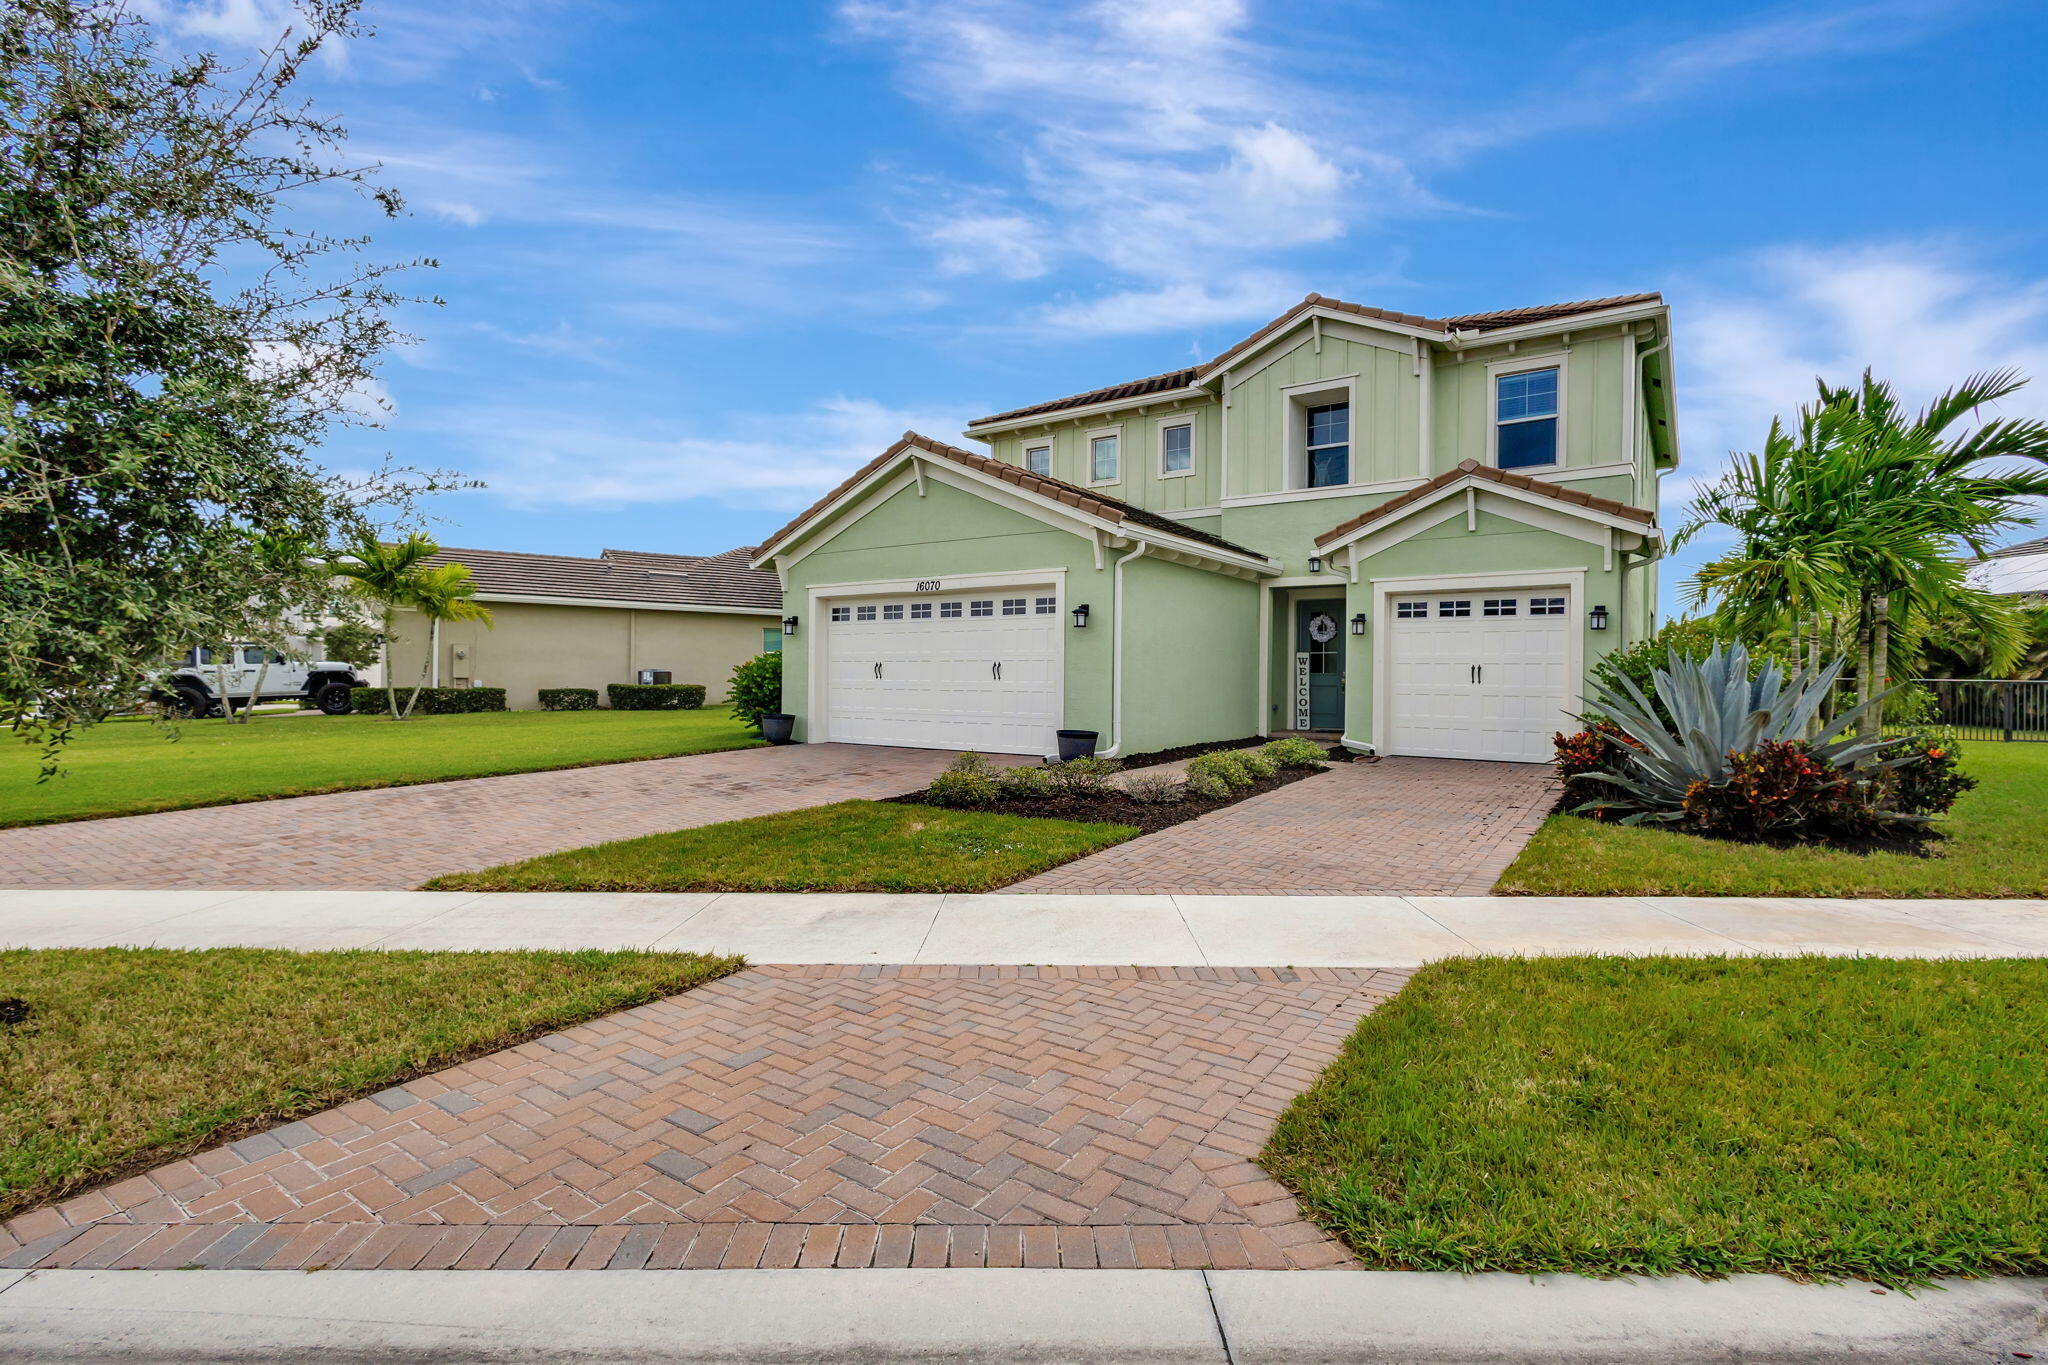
{"x": 624, "y": 576}
{"x": 1476, "y": 470}
{"x": 1071, "y": 495}
{"x": 1180, "y": 379}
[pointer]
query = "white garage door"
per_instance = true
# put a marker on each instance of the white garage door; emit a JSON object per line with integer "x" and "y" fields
{"x": 1480, "y": 674}
{"x": 971, "y": 670}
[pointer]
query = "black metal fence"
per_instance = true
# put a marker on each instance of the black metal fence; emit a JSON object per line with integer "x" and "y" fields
{"x": 1993, "y": 708}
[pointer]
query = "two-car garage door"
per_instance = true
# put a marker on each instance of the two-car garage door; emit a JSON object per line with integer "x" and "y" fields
{"x": 1479, "y": 674}
{"x": 952, "y": 670}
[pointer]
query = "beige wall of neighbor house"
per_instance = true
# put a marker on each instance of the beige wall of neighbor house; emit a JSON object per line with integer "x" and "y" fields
{"x": 529, "y": 646}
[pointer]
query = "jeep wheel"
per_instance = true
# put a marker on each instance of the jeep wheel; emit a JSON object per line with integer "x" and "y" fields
{"x": 188, "y": 703}
{"x": 333, "y": 699}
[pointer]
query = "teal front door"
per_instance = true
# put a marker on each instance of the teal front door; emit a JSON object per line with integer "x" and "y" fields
{"x": 1319, "y": 665}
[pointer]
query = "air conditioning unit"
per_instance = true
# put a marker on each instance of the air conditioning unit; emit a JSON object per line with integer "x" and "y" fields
{"x": 650, "y": 676}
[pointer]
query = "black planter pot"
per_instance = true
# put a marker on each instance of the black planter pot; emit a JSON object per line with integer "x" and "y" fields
{"x": 776, "y": 726}
{"x": 1077, "y": 743}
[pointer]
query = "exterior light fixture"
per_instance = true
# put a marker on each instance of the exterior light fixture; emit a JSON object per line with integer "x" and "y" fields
{"x": 1315, "y": 563}
{"x": 788, "y": 625}
{"x": 1358, "y": 624}
{"x": 1081, "y": 617}
{"x": 1597, "y": 618}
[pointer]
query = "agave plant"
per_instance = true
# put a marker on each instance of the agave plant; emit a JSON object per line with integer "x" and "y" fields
{"x": 1718, "y": 711}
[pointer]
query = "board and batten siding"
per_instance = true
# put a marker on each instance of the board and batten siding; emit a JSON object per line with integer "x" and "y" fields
{"x": 1383, "y": 415}
{"x": 1138, "y": 481}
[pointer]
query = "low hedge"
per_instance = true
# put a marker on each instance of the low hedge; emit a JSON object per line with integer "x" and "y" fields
{"x": 655, "y": 696}
{"x": 434, "y": 701}
{"x": 568, "y": 699}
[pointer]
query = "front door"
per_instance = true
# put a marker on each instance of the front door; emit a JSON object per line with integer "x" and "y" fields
{"x": 1319, "y": 635}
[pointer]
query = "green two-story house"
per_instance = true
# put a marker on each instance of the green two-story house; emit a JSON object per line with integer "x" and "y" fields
{"x": 1414, "y": 533}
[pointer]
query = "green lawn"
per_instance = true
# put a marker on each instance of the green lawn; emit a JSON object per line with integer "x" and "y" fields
{"x": 133, "y": 1057}
{"x": 1998, "y": 846}
{"x": 1812, "y": 1117}
{"x": 850, "y": 846}
{"x": 124, "y": 768}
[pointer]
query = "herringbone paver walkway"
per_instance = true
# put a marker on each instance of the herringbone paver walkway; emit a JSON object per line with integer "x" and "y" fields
{"x": 1399, "y": 827}
{"x": 397, "y": 837}
{"x": 785, "y": 1117}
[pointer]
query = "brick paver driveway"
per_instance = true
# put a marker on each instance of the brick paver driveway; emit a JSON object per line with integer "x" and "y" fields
{"x": 1399, "y": 827}
{"x": 790, "y": 1116}
{"x": 397, "y": 837}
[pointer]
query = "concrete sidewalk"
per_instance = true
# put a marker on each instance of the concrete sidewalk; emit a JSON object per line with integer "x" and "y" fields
{"x": 1004, "y": 929}
{"x": 1227, "y": 1317}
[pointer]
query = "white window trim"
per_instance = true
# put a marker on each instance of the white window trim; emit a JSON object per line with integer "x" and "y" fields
{"x": 1025, "y": 458}
{"x": 1523, "y": 364}
{"x": 1159, "y": 430}
{"x": 1295, "y": 401}
{"x": 1088, "y": 440}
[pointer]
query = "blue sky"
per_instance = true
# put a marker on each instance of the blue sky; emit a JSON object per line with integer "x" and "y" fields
{"x": 702, "y": 260}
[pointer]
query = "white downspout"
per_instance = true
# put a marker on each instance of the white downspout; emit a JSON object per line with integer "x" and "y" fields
{"x": 1116, "y": 655}
{"x": 434, "y": 644}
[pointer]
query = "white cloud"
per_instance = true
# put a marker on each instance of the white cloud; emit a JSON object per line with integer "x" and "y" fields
{"x": 781, "y": 460}
{"x": 1181, "y": 305}
{"x": 1153, "y": 137}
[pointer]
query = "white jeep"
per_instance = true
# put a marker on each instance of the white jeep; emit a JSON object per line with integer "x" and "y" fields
{"x": 207, "y": 683}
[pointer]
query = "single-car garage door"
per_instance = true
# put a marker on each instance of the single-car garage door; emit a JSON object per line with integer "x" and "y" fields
{"x": 972, "y": 670}
{"x": 1480, "y": 674}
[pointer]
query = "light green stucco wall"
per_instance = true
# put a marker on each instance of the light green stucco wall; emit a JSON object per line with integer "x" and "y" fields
{"x": 529, "y": 646}
{"x": 1190, "y": 671}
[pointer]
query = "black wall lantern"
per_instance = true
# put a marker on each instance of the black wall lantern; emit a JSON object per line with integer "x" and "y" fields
{"x": 1358, "y": 624}
{"x": 1315, "y": 563}
{"x": 1081, "y": 617}
{"x": 788, "y": 626}
{"x": 1597, "y": 618}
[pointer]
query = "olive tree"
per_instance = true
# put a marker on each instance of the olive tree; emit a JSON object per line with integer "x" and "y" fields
{"x": 175, "y": 341}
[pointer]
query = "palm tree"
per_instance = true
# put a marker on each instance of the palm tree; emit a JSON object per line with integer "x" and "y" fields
{"x": 444, "y": 593}
{"x": 1859, "y": 517}
{"x": 386, "y": 577}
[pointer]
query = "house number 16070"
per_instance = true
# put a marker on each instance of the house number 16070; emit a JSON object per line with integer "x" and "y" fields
{"x": 927, "y": 585}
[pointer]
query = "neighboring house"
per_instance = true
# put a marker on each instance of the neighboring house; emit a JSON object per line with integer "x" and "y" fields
{"x": 2018, "y": 570}
{"x": 561, "y": 621}
{"x": 1416, "y": 532}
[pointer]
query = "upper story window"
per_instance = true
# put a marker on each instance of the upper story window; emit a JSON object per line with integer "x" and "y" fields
{"x": 1038, "y": 459}
{"x": 1177, "y": 449}
{"x": 1525, "y": 415}
{"x": 1102, "y": 459}
{"x": 1329, "y": 445}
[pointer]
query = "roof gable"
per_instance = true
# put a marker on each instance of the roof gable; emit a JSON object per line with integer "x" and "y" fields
{"x": 1056, "y": 490}
{"x": 1479, "y": 473}
{"x": 1173, "y": 380}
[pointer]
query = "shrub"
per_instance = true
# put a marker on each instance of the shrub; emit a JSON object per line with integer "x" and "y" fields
{"x": 972, "y": 762}
{"x": 1226, "y": 768}
{"x": 568, "y": 699}
{"x": 1638, "y": 663}
{"x": 1733, "y": 756}
{"x": 1084, "y": 776}
{"x": 962, "y": 791}
{"x": 1206, "y": 783}
{"x": 1025, "y": 784}
{"x": 1257, "y": 764}
{"x": 1295, "y": 752}
{"x": 757, "y": 688}
{"x": 655, "y": 696}
{"x": 1782, "y": 787}
{"x": 1597, "y": 749}
{"x": 1155, "y": 789}
{"x": 1926, "y": 775}
{"x": 434, "y": 701}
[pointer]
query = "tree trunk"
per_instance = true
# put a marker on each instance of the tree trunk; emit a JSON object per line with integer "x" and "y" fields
{"x": 256, "y": 690}
{"x": 1819, "y": 718}
{"x": 220, "y": 682}
{"x": 414, "y": 699}
{"x": 1880, "y": 659}
{"x": 384, "y": 661}
{"x": 1866, "y": 662}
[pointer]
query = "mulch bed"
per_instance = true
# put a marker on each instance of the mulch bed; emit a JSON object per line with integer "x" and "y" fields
{"x": 1120, "y": 808}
